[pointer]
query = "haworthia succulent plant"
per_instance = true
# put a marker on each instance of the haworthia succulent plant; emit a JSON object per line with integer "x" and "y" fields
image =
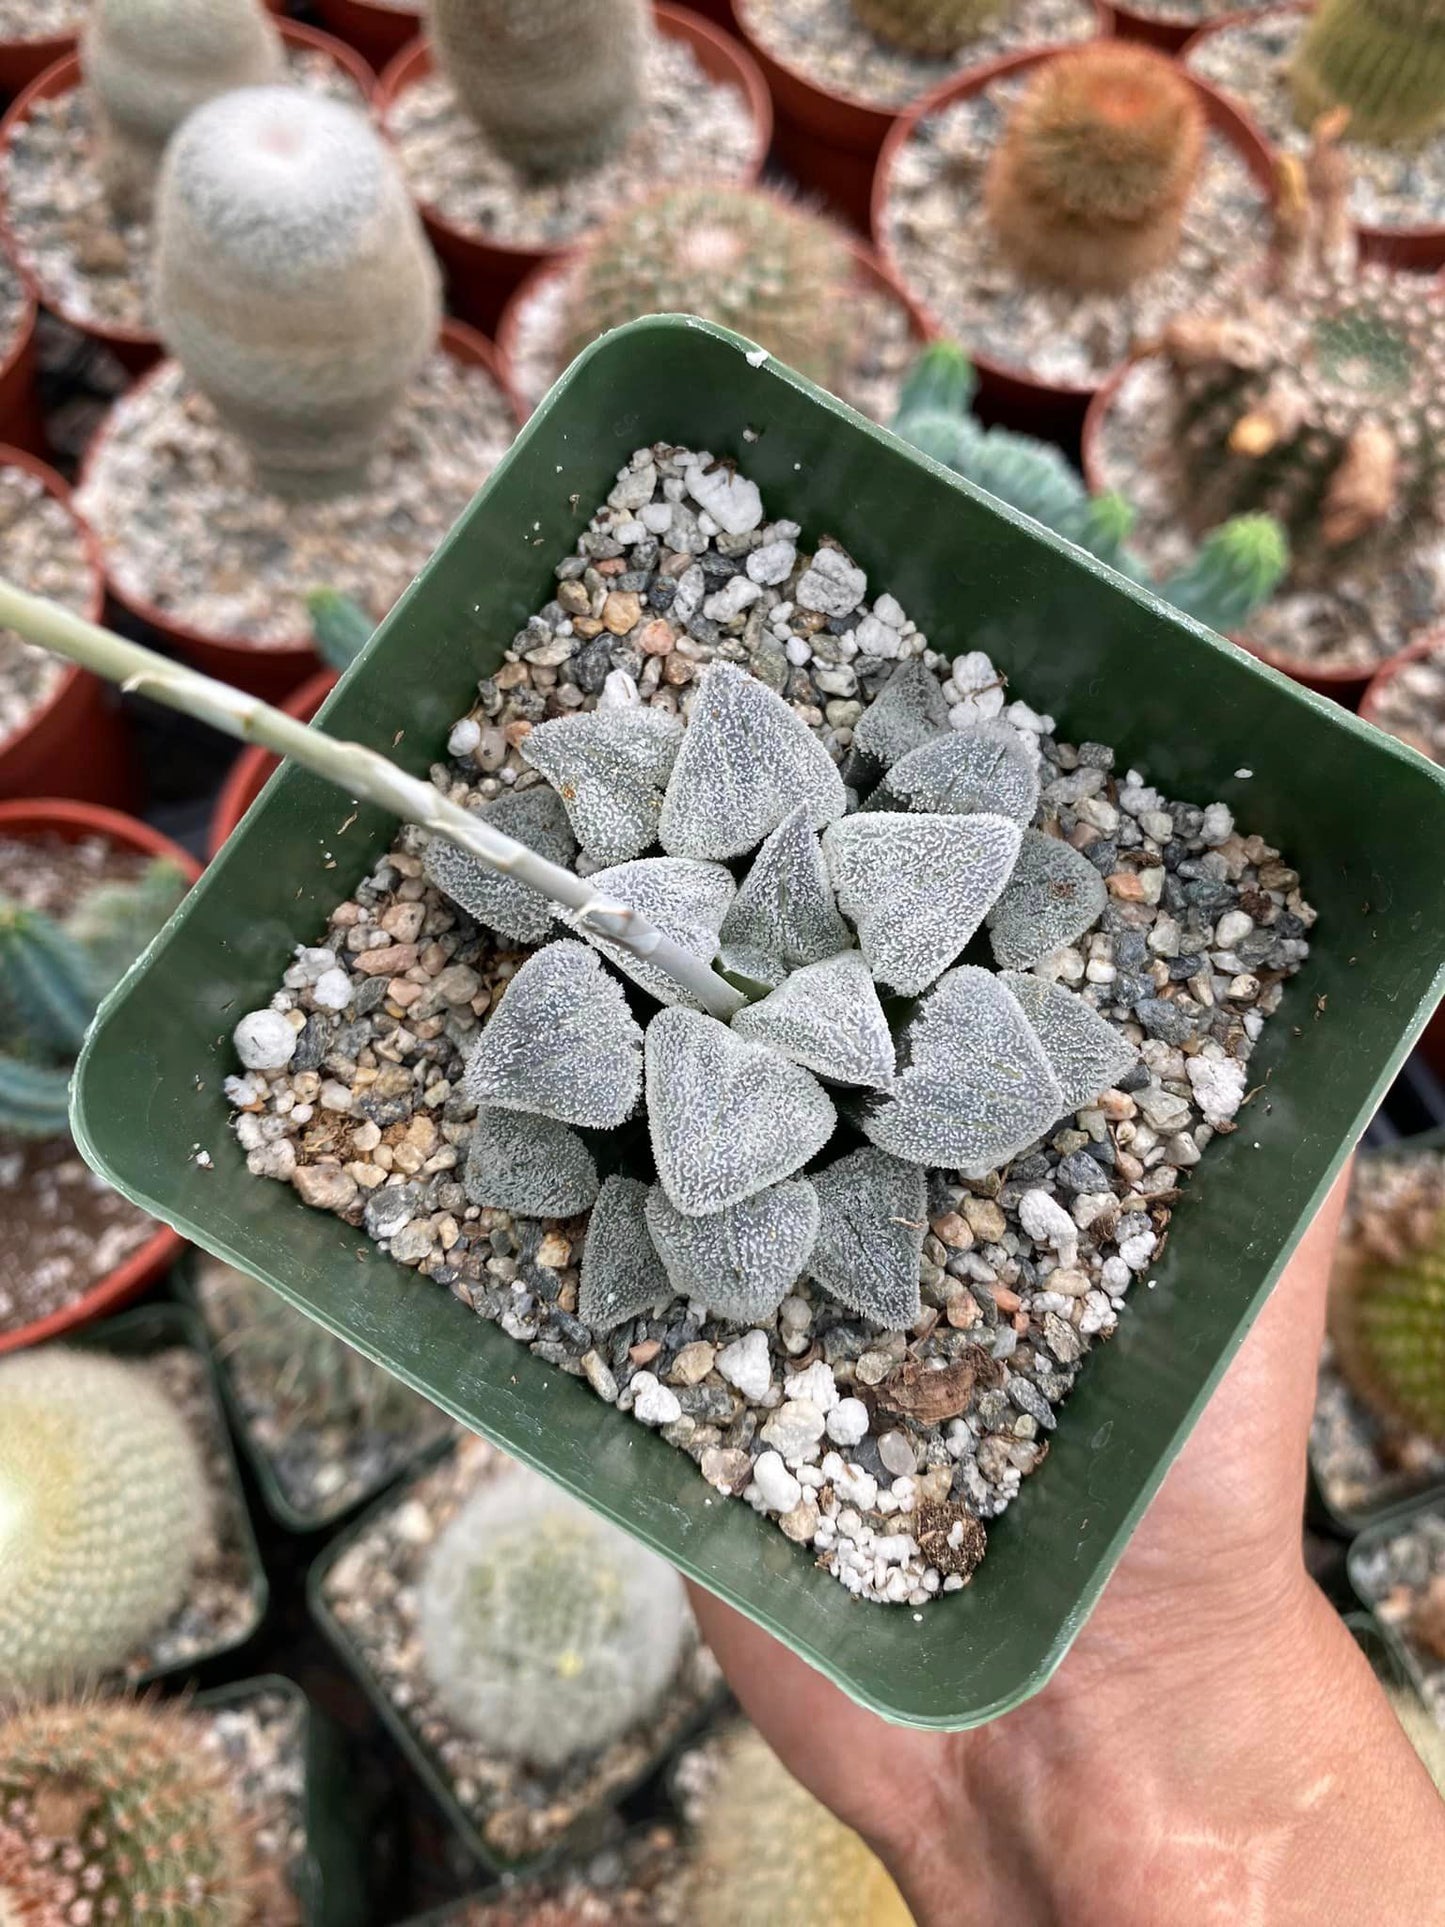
{"x": 561, "y": 1043}
{"x": 827, "y": 1017}
{"x": 1086, "y": 1052}
{"x": 687, "y": 901}
{"x": 742, "y": 1262}
{"x": 784, "y": 915}
{"x": 533, "y": 1166}
{"x": 873, "y": 1214}
{"x": 985, "y": 768}
{"x": 908, "y": 712}
{"x": 622, "y": 1275}
{"x": 1053, "y": 896}
{"x": 533, "y": 816}
{"x": 610, "y": 767}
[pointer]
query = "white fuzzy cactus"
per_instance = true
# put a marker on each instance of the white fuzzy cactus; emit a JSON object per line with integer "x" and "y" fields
{"x": 293, "y": 281}
{"x": 985, "y": 768}
{"x": 149, "y": 63}
{"x": 741, "y": 1263}
{"x": 547, "y": 1633}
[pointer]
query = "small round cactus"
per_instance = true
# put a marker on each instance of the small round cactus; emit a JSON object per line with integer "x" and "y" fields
{"x": 1384, "y": 60}
{"x": 1088, "y": 186}
{"x": 744, "y": 259}
{"x": 103, "y": 1506}
{"x": 554, "y": 85}
{"x": 1387, "y": 1296}
{"x": 546, "y": 1632}
{"x": 928, "y": 27}
{"x": 293, "y": 281}
{"x": 111, "y": 1811}
{"x": 150, "y": 63}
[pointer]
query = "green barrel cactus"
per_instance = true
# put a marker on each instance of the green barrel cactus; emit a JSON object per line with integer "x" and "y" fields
{"x": 103, "y": 1508}
{"x": 547, "y": 1633}
{"x": 1384, "y": 60}
{"x": 113, "y": 1812}
{"x": 736, "y": 256}
{"x": 554, "y": 85}
{"x": 934, "y": 28}
{"x": 1387, "y": 1320}
{"x": 293, "y": 281}
{"x": 150, "y": 63}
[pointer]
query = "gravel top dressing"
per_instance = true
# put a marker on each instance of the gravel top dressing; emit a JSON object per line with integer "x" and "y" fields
{"x": 13, "y": 303}
{"x": 1412, "y": 703}
{"x": 942, "y": 241}
{"x": 690, "y": 128}
{"x": 185, "y": 528}
{"x": 41, "y": 549}
{"x": 1167, "y": 931}
{"x": 1402, "y": 1576}
{"x": 824, "y": 40}
{"x": 39, "y": 19}
{"x": 261, "y": 1741}
{"x": 94, "y": 268}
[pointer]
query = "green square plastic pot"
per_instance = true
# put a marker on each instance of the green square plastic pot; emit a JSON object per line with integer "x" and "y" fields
{"x": 1361, "y": 816}
{"x": 1391, "y": 1636}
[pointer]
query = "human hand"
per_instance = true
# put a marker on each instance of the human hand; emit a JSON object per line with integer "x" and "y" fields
{"x": 1214, "y": 1748}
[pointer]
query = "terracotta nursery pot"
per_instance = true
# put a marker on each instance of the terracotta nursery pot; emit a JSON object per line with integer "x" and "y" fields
{"x": 22, "y": 60}
{"x": 21, "y": 423}
{"x": 254, "y": 767}
{"x": 75, "y": 745}
{"x": 1418, "y": 250}
{"x": 137, "y": 349}
{"x": 378, "y": 33}
{"x": 271, "y": 673}
{"x": 73, "y": 823}
{"x": 1387, "y": 672}
{"x": 1007, "y": 394}
{"x": 1130, "y": 24}
{"x": 1344, "y": 686}
{"x": 482, "y": 274}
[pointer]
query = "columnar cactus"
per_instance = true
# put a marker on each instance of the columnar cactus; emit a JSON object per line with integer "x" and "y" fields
{"x": 1387, "y": 1299}
{"x": 103, "y": 1507}
{"x": 114, "y": 1812}
{"x": 554, "y": 85}
{"x": 547, "y": 1633}
{"x": 1088, "y": 186}
{"x": 1384, "y": 60}
{"x": 293, "y": 281}
{"x": 928, "y": 27}
{"x": 149, "y": 63}
{"x": 736, "y": 256}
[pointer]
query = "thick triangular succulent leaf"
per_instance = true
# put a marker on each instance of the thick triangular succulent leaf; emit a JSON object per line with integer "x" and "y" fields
{"x": 827, "y": 1017}
{"x": 686, "y": 901}
{"x": 746, "y": 761}
{"x": 610, "y": 767}
{"x": 622, "y": 1275}
{"x": 728, "y": 1118}
{"x": 783, "y": 915}
{"x": 532, "y": 816}
{"x": 1053, "y": 896}
{"x": 968, "y": 770}
{"x": 741, "y": 1263}
{"x": 532, "y": 1166}
{"x": 1087, "y": 1053}
{"x": 978, "y": 1086}
{"x": 909, "y": 711}
{"x": 561, "y": 1043}
{"x": 874, "y": 1212}
{"x": 917, "y": 887}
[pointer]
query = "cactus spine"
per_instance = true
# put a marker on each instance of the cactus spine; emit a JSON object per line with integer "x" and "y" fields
{"x": 928, "y": 27}
{"x": 1384, "y": 60}
{"x": 149, "y": 63}
{"x": 744, "y": 259}
{"x": 554, "y": 85}
{"x": 1089, "y": 184}
{"x": 113, "y": 1812}
{"x": 103, "y": 1507}
{"x": 546, "y": 1632}
{"x": 293, "y": 281}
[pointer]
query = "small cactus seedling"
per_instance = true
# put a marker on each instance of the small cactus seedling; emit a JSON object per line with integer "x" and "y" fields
{"x": 554, "y": 85}
{"x": 933, "y": 28}
{"x": 736, "y": 256}
{"x": 1088, "y": 186}
{"x": 1387, "y": 1299}
{"x": 547, "y": 1633}
{"x": 115, "y": 1812}
{"x": 284, "y": 229}
{"x": 103, "y": 1507}
{"x": 1382, "y": 60}
{"x": 150, "y": 63}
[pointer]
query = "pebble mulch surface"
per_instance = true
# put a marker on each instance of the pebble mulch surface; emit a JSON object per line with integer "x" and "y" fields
{"x": 1364, "y": 615}
{"x": 1250, "y": 62}
{"x": 185, "y": 529}
{"x": 1192, "y": 13}
{"x": 223, "y": 1602}
{"x": 323, "y": 1468}
{"x": 13, "y": 306}
{"x": 260, "y": 1741}
{"x": 1402, "y": 1577}
{"x": 622, "y": 1886}
{"x": 41, "y": 549}
{"x": 942, "y": 243}
{"x": 93, "y": 268}
{"x": 371, "y": 1590}
{"x": 39, "y": 19}
{"x": 690, "y": 128}
{"x": 824, "y": 41}
{"x": 881, "y": 347}
{"x": 1203, "y": 926}
{"x": 1412, "y": 703}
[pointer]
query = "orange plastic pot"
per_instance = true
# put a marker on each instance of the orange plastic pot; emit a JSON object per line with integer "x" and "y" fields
{"x": 21, "y": 423}
{"x": 481, "y": 273}
{"x": 136, "y": 349}
{"x": 75, "y": 745}
{"x": 377, "y": 33}
{"x": 271, "y": 673}
{"x": 254, "y": 767}
{"x": 1007, "y": 393}
{"x": 1129, "y": 23}
{"x": 73, "y": 823}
